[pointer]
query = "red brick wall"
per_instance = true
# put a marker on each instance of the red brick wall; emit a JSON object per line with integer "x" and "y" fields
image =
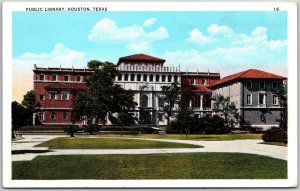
{"x": 58, "y": 106}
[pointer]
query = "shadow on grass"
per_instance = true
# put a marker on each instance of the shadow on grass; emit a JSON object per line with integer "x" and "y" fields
{"x": 17, "y": 152}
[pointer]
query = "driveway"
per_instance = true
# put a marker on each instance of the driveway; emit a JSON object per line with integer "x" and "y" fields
{"x": 24, "y": 149}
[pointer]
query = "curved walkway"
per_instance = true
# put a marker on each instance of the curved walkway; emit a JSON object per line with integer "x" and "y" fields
{"x": 236, "y": 146}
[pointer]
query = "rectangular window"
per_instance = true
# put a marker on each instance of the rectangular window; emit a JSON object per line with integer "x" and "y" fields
{"x": 42, "y": 96}
{"x": 42, "y": 77}
{"x": 261, "y": 85}
{"x": 262, "y": 99}
{"x": 65, "y": 95}
{"x": 203, "y": 82}
{"x": 41, "y": 116}
{"x": 53, "y": 77}
{"x": 274, "y": 85}
{"x": 52, "y": 115}
{"x": 66, "y": 78}
{"x": 65, "y": 115}
{"x": 53, "y": 96}
{"x": 249, "y": 99}
{"x": 275, "y": 100}
{"x": 192, "y": 81}
{"x": 78, "y": 78}
{"x": 249, "y": 85}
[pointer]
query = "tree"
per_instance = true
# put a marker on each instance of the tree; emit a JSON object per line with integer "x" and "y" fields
{"x": 125, "y": 118}
{"x": 224, "y": 106}
{"x": 102, "y": 97}
{"x": 21, "y": 116}
{"x": 170, "y": 96}
{"x": 184, "y": 118}
{"x": 29, "y": 100}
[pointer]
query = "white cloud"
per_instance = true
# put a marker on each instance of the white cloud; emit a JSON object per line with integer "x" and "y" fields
{"x": 219, "y": 30}
{"x": 229, "y": 60}
{"x": 24, "y": 64}
{"x": 259, "y": 31}
{"x": 197, "y": 37}
{"x": 106, "y": 30}
{"x": 149, "y": 22}
{"x": 159, "y": 34}
{"x": 225, "y": 37}
{"x": 60, "y": 55}
{"x": 223, "y": 49}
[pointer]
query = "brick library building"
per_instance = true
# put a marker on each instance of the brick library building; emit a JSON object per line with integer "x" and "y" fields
{"x": 253, "y": 91}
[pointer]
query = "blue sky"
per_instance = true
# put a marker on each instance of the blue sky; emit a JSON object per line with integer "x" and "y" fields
{"x": 217, "y": 41}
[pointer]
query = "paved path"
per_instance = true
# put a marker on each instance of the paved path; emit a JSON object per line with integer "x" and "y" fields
{"x": 236, "y": 146}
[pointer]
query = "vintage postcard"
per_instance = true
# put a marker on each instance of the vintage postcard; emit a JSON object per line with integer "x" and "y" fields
{"x": 149, "y": 94}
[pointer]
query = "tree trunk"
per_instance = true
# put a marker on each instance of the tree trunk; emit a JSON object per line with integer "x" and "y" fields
{"x": 168, "y": 123}
{"x": 186, "y": 133}
{"x": 121, "y": 130}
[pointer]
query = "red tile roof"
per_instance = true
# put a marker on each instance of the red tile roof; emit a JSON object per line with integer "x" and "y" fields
{"x": 248, "y": 74}
{"x": 141, "y": 57}
{"x": 66, "y": 86}
{"x": 203, "y": 89}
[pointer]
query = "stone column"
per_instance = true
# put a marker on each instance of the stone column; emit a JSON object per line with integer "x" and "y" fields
{"x": 201, "y": 102}
{"x": 138, "y": 99}
{"x": 33, "y": 119}
{"x": 212, "y": 104}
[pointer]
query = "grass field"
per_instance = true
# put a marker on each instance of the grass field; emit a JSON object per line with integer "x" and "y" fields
{"x": 154, "y": 166}
{"x": 224, "y": 137}
{"x": 109, "y": 143}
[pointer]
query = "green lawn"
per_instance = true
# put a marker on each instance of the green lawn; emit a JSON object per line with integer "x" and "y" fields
{"x": 199, "y": 137}
{"x": 154, "y": 166}
{"x": 109, "y": 143}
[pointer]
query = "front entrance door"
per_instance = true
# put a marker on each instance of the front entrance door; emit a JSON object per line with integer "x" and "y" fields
{"x": 145, "y": 117}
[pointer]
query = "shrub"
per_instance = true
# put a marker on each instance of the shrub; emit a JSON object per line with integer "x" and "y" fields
{"x": 207, "y": 124}
{"x": 275, "y": 134}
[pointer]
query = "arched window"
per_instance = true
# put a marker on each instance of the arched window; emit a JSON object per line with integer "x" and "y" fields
{"x": 126, "y": 77}
{"x": 145, "y": 101}
{"x": 169, "y": 78}
{"x": 120, "y": 77}
{"x": 157, "y": 78}
{"x": 151, "y": 78}
{"x": 138, "y": 77}
{"x": 132, "y": 77}
{"x": 175, "y": 78}
{"x": 145, "y": 77}
{"x": 163, "y": 78}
